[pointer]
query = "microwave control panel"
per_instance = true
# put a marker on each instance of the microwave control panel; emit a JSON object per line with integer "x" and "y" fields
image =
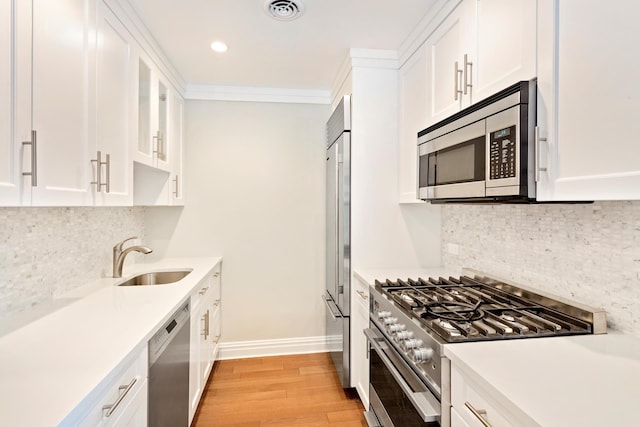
{"x": 502, "y": 153}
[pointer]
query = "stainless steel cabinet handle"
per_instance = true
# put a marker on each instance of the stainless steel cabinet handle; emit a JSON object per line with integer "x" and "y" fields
{"x": 457, "y": 73}
{"x": 205, "y": 331}
{"x": 478, "y": 414}
{"x": 203, "y": 291}
{"x": 34, "y": 158}
{"x": 107, "y": 164}
{"x": 111, "y": 408}
{"x": 175, "y": 191}
{"x": 216, "y": 274}
{"x": 159, "y": 144}
{"x": 538, "y": 139}
{"x": 467, "y": 66}
{"x": 98, "y": 163}
{"x": 216, "y": 303}
{"x": 216, "y": 339}
{"x": 363, "y": 295}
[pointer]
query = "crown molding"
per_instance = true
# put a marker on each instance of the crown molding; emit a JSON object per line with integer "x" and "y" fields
{"x": 256, "y": 94}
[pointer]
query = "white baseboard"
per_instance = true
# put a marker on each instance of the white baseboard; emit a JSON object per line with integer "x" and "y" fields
{"x": 277, "y": 347}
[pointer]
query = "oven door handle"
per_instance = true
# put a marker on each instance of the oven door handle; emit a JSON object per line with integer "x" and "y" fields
{"x": 424, "y": 401}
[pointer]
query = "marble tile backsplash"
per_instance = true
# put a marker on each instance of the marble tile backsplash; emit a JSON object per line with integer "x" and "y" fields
{"x": 45, "y": 252}
{"x": 589, "y": 253}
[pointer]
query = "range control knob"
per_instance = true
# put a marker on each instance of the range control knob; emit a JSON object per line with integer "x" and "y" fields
{"x": 412, "y": 343}
{"x": 396, "y": 327}
{"x": 390, "y": 320}
{"x": 404, "y": 335}
{"x": 421, "y": 354}
{"x": 383, "y": 314}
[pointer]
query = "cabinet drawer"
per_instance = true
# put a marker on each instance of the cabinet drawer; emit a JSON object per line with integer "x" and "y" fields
{"x": 128, "y": 383}
{"x": 207, "y": 290}
{"x": 468, "y": 396}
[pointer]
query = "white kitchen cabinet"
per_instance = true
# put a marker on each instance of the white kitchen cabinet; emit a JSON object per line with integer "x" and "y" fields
{"x": 413, "y": 118}
{"x": 63, "y": 101}
{"x": 471, "y": 401}
{"x": 15, "y": 101}
{"x": 205, "y": 336}
{"x": 588, "y": 105}
{"x": 153, "y": 116}
{"x": 483, "y": 46}
{"x": 114, "y": 112}
{"x": 359, "y": 345}
{"x": 121, "y": 400}
{"x": 176, "y": 132}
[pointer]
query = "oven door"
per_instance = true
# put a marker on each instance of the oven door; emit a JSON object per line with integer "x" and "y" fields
{"x": 397, "y": 396}
{"x": 453, "y": 165}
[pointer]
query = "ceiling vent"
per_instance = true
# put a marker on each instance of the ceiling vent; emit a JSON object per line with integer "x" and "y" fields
{"x": 284, "y": 10}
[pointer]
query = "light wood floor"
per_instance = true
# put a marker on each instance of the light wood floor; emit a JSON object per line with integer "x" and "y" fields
{"x": 297, "y": 390}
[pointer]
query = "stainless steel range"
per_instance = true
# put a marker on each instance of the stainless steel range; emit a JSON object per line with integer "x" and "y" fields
{"x": 411, "y": 321}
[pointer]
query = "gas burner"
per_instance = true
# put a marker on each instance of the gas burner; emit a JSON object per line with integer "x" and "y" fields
{"x": 508, "y": 318}
{"x": 453, "y": 310}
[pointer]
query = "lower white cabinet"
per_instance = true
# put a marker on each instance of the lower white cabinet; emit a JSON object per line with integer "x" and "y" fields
{"x": 205, "y": 336}
{"x": 474, "y": 405}
{"x": 120, "y": 401}
{"x": 359, "y": 347}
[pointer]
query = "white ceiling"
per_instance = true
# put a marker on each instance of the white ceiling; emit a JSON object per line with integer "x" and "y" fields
{"x": 301, "y": 54}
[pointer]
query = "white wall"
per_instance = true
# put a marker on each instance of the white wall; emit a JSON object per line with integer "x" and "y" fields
{"x": 255, "y": 182}
{"x": 587, "y": 253}
{"x": 45, "y": 252}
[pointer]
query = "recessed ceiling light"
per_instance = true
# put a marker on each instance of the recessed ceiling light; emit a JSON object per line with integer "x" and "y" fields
{"x": 284, "y": 10}
{"x": 218, "y": 46}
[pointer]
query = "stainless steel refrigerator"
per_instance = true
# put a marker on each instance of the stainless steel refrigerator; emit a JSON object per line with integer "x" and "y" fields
{"x": 338, "y": 220}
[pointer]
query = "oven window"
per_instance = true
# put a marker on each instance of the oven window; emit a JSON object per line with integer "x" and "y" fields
{"x": 463, "y": 162}
{"x": 398, "y": 406}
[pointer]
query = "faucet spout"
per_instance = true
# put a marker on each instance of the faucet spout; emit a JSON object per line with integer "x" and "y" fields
{"x": 119, "y": 255}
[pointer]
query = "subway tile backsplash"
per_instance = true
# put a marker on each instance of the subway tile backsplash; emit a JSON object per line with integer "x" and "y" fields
{"x": 45, "y": 252}
{"x": 589, "y": 253}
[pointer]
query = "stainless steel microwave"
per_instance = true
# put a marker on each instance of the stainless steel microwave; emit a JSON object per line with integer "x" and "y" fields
{"x": 484, "y": 153}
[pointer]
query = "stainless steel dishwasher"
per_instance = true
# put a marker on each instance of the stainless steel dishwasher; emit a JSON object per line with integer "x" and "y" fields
{"x": 169, "y": 372}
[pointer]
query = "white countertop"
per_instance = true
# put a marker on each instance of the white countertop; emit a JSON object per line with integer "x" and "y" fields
{"x": 48, "y": 366}
{"x": 587, "y": 380}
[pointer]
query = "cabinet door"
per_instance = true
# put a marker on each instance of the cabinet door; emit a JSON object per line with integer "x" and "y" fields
{"x": 413, "y": 118}
{"x": 63, "y": 100}
{"x": 115, "y": 100}
{"x": 176, "y": 132}
{"x": 505, "y": 45}
{"x": 144, "y": 150}
{"x": 161, "y": 137}
{"x": 586, "y": 110}
{"x": 10, "y": 170}
{"x": 359, "y": 346}
{"x": 445, "y": 65}
{"x": 195, "y": 386}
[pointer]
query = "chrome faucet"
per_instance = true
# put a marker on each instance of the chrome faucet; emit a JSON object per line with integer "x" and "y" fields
{"x": 119, "y": 255}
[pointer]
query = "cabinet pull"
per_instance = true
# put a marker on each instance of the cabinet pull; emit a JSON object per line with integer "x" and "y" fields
{"x": 159, "y": 139}
{"x": 457, "y": 73}
{"x": 107, "y": 164}
{"x": 363, "y": 295}
{"x": 99, "y": 163}
{"x": 467, "y": 66}
{"x": 203, "y": 291}
{"x": 175, "y": 191}
{"x": 111, "y": 408}
{"x": 216, "y": 303}
{"x": 216, "y": 339}
{"x": 34, "y": 158}
{"x": 538, "y": 139}
{"x": 478, "y": 414}
{"x": 205, "y": 331}
{"x": 216, "y": 274}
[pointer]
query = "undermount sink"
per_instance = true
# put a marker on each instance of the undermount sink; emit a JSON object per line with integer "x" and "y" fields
{"x": 156, "y": 278}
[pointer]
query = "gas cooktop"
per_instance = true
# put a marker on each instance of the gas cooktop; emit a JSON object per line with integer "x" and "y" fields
{"x": 478, "y": 308}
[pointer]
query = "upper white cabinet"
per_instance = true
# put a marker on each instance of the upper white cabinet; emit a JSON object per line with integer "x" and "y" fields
{"x": 413, "y": 113}
{"x": 63, "y": 102}
{"x": 153, "y": 117}
{"x": 588, "y": 102}
{"x": 176, "y": 157}
{"x": 15, "y": 89}
{"x": 115, "y": 115}
{"x": 483, "y": 46}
